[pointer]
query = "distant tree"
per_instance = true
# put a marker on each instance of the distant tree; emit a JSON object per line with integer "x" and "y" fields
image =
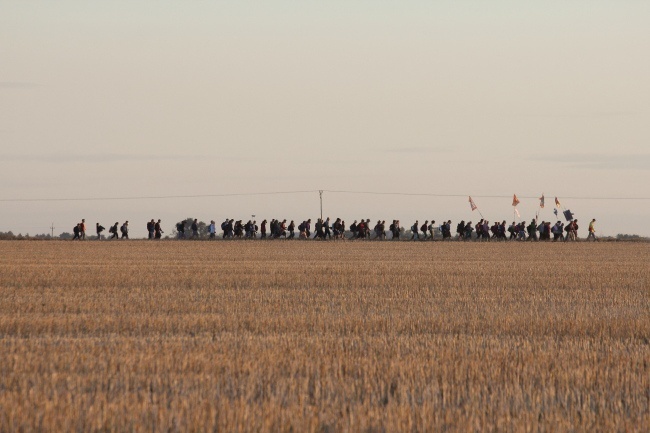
{"x": 66, "y": 235}
{"x": 7, "y": 235}
{"x": 626, "y": 237}
{"x": 204, "y": 230}
{"x": 43, "y": 236}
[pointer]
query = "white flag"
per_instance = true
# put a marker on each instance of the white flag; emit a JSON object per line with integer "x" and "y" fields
{"x": 471, "y": 203}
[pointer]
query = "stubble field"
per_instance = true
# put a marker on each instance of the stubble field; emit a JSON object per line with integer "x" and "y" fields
{"x": 324, "y": 337}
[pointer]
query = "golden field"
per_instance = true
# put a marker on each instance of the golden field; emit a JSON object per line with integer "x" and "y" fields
{"x": 298, "y": 336}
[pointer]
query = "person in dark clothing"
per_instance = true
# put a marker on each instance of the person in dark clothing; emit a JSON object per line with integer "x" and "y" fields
{"x": 180, "y": 228}
{"x": 532, "y": 231}
{"x": 308, "y": 228}
{"x": 337, "y": 229}
{"x": 99, "y": 229}
{"x": 468, "y": 230}
{"x": 125, "y": 230}
{"x": 113, "y": 230}
{"x": 353, "y": 229}
{"x": 326, "y": 228}
{"x": 195, "y": 228}
{"x": 150, "y": 228}
{"x": 76, "y": 230}
{"x": 263, "y": 229}
{"x": 157, "y": 230}
{"x": 292, "y": 229}
{"x": 460, "y": 230}
{"x": 320, "y": 233}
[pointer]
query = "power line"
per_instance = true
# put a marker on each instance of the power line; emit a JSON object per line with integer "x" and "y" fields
{"x": 158, "y": 197}
{"x": 163, "y": 197}
{"x": 479, "y": 196}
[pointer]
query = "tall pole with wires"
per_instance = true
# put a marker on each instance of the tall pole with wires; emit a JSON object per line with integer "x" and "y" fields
{"x": 320, "y": 192}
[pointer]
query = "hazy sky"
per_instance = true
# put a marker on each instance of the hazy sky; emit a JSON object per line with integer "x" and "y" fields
{"x": 128, "y": 98}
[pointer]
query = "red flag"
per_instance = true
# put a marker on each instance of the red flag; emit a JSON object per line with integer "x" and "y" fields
{"x": 541, "y": 201}
{"x": 472, "y": 204}
{"x": 557, "y": 203}
{"x": 515, "y": 200}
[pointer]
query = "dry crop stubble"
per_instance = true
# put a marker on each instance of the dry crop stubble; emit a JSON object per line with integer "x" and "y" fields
{"x": 335, "y": 336}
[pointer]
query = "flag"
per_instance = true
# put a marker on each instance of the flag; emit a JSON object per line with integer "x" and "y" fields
{"x": 515, "y": 200}
{"x": 517, "y": 212}
{"x": 555, "y": 211}
{"x": 568, "y": 215}
{"x": 472, "y": 204}
{"x": 557, "y": 203}
{"x": 541, "y": 201}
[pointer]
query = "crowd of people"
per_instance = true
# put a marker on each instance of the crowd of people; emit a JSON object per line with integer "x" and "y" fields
{"x": 324, "y": 229}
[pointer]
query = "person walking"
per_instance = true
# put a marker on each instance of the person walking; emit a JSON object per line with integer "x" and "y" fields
{"x": 82, "y": 230}
{"x": 180, "y": 229}
{"x": 423, "y": 228}
{"x": 76, "y": 230}
{"x": 326, "y": 227}
{"x": 592, "y": 230}
{"x": 99, "y": 229}
{"x": 113, "y": 230}
{"x": 151, "y": 228}
{"x": 212, "y": 229}
{"x": 195, "y": 228}
{"x": 125, "y": 230}
{"x": 157, "y": 229}
{"x": 292, "y": 230}
{"x": 414, "y": 230}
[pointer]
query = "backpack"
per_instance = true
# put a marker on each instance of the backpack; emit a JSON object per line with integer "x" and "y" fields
{"x": 423, "y": 228}
{"x": 414, "y": 228}
{"x": 75, "y": 229}
{"x": 100, "y": 229}
{"x": 123, "y": 229}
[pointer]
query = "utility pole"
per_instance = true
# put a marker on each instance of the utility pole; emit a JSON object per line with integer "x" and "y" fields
{"x": 320, "y": 192}
{"x": 52, "y": 228}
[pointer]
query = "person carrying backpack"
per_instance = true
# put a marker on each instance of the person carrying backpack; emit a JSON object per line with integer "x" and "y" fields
{"x": 195, "y": 228}
{"x": 99, "y": 229}
{"x": 113, "y": 230}
{"x": 460, "y": 230}
{"x": 76, "y": 230}
{"x": 125, "y": 230}
{"x": 180, "y": 229}
{"x": 414, "y": 230}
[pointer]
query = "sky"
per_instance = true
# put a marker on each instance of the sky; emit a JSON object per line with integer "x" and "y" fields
{"x": 130, "y": 99}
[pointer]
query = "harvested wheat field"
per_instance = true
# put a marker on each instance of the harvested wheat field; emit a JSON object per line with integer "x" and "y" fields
{"x": 324, "y": 337}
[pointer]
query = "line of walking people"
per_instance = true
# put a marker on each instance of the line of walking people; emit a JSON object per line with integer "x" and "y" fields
{"x": 360, "y": 229}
